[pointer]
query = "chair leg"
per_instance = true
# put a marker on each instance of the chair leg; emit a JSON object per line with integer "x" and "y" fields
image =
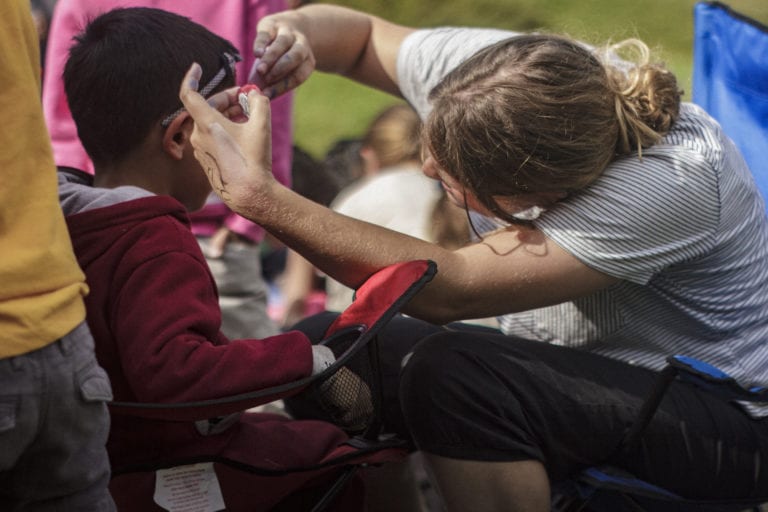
{"x": 335, "y": 489}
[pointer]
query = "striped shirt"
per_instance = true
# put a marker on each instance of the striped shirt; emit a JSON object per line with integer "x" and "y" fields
{"x": 684, "y": 229}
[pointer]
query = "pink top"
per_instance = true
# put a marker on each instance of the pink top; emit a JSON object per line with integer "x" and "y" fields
{"x": 234, "y": 20}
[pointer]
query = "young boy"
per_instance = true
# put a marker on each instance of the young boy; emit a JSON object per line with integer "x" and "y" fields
{"x": 153, "y": 307}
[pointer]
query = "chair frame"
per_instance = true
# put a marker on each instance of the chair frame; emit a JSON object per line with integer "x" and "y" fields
{"x": 608, "y": 489}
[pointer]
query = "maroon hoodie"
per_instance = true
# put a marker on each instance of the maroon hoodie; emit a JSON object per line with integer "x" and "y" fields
{"x": 154, "y": 314}
{"x": 153, "y": 306}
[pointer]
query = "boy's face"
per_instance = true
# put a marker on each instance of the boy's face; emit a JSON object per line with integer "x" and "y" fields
{"x": 188, "y": 184}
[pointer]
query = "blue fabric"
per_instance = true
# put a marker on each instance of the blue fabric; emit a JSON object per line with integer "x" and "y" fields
{"x": 712, "y": 379}
{"x": 730, "y": 80}
{"x": 703, "y": 368}
{"x": 607, "y": 478}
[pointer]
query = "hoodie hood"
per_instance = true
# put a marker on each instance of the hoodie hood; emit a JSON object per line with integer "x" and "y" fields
{"x": 101, "y": 219}
{"x": 77, "y": 193}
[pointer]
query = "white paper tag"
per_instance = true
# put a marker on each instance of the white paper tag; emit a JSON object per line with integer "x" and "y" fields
{"x": 191, "y": 488}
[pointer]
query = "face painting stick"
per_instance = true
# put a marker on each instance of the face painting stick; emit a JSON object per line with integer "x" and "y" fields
{"x": 242, "y": 97}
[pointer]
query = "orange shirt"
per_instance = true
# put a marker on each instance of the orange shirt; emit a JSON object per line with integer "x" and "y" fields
{"x": 41, "y": 285}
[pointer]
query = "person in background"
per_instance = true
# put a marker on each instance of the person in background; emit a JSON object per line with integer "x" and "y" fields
{"x": 380, "y": 181}
{"x": 300, "y": 288}
{"x": 41, "y": 13}
{"x": 231, "y": 243}
{"x": 53, "y": 413}
{"x": 343, "y": 160}
{"x": 393, "y": 191}
{"x": 632, "y": 230}
{"x": 389, "y": 190}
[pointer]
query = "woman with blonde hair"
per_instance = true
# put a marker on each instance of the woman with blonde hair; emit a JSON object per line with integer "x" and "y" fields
{"x": 393, "y": 192}
{"x": 629, "y": 229}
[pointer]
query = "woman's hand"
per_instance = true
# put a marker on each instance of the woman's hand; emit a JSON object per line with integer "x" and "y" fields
{"x": 236, "y": 156}
{"x": 284, "y": 58}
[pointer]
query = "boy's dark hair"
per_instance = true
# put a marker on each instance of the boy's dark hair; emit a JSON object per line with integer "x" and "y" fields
{"x": 124, "y": 71}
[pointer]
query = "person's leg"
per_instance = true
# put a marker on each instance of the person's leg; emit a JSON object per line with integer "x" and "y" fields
{"x": 492, "y": 399}
{"x": 393, "y": 487}
{"x": 521, "y": 486}
{"x": 395, "y": 342}
{"x": 52, "y": 443}
{"x": 701, "y": 447}
{"x": 20, "y": 410}
{"x": 243, "y": 292}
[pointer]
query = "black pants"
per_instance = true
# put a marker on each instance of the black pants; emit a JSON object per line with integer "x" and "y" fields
{"x": 476, "y": 394}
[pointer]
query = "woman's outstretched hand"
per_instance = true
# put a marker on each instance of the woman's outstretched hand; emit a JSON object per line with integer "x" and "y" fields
{"x": 236, "y": 156}
{"x": 284, "y": 59}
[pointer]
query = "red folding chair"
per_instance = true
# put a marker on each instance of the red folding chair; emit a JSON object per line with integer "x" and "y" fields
{"x": 276, "y": 474}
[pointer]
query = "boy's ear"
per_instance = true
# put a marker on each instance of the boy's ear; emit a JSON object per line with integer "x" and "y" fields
{"x": 177, "y": 134}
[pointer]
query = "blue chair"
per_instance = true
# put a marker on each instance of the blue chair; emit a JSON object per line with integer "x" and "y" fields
{"x": 730, "y": 79}
{"x": 608, "y": 489}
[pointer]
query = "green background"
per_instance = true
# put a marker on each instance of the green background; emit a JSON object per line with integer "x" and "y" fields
{"x": 328, "y": 107}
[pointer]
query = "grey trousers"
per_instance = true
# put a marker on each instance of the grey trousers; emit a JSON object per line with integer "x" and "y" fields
{"x": 242, "y": 291}
{"x": 53, "y": 428}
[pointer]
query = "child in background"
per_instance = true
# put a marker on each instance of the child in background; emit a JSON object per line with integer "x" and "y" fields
{"x": 381, "y": 182}
{"x": 393, "y": 192}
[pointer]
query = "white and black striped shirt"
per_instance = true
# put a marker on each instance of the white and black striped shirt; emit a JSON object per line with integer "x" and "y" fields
{"x": 684, "y": 228}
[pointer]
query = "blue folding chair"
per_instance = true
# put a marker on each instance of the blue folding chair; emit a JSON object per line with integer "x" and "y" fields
{"x": 608, "y": 489}
{"x": 730, "y": 80}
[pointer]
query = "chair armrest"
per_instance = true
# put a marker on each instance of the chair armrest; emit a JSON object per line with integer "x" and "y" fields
{"x": 714, "y": 380}
{"x": 377, "y": 301}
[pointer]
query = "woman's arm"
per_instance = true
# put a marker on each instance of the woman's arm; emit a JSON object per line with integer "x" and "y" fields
{"x": 167, "y": 335}
{"x": 512, "y": 270}
{"x": 291, "y": 44}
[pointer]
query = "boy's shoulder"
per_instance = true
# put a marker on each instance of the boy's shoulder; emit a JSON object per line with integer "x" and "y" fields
{"x": 111, "y": 214}
{"x": 126, "y": 226}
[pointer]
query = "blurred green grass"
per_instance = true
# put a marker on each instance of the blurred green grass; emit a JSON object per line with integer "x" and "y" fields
{"x": 328, "y": 108}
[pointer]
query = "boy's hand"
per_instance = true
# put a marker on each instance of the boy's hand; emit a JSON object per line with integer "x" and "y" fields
{"x": 347, "y": 399}
{"x": 236, "y": 156}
